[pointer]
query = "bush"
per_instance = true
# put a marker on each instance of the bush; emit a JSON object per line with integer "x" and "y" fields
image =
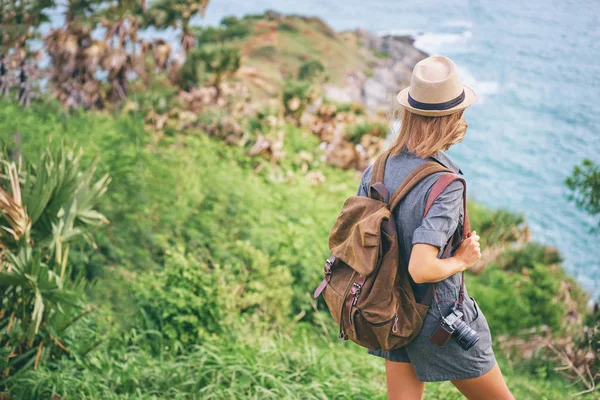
{"x": 182, "y": 300}
{"x": 354, "y": 108}
{"x": 513, "y": 303}
{"x": 231, "y": 28}
{"x": 527, "y": 256}
{"x": 46, "y": 208}
{"x": 310, "y": 70}
{"x": 268, "y": 52}
{"x": 354, "y": 133}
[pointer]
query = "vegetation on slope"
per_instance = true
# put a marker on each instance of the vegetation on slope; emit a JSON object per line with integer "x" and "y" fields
{"x": 219, "y": 215}
{"x": 203, "y": 276}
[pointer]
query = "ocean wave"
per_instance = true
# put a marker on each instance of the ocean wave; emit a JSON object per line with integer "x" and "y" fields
{"x": 400, "y": 32}
{"x": 482, "y": 88}
{"x": 432, "y": 43}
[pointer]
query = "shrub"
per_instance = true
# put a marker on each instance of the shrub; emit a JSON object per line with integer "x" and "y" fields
{"x": 354, "y": 133}
{"x": 296, "y": 96}
{"x": 231, "y": 28}
{"x": 287, "y": 26}
{"x": 584, "y": 184}
{"x": 182, "y": 300}
{"x": 527, "y": 256}
{"x": 264, "y": 52}
{"x": 513, "y": 303}
{"x": 219, "y": 62}
{"x": 46, "y": 208}
{"x": 497, "y": 227}
{"x": 310, "y": 70}
{"x": 354, "y": 108}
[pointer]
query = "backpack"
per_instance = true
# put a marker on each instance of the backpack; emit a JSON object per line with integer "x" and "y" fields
{"x": 366, "y": 291}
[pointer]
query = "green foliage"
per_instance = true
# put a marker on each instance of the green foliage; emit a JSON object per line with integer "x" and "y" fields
{"x": 496, "y": 227}
{"x": 38, "y": 302}
{"x": 192, "y": 72}
{"x": 295, "y": 363}
{"x": 286, "y": 26}
{"x": 208, "y": 261}
{"x": 354, "y": 133}
{"x": 182, "y": 299}
{"x": 231, "y": 28}
{"x": 513, "y": 303}
{"x": 527, "y": 256}
{"x": 381, "y": 54}
{"x": 354, "y": 108}
{"x": 296, "y": 97}
{"x": 173, "y": 13}
{"x": 267, "y": 52}
{"x": 310, "y": 70}
{"x": 219, "y": 62}
{"x": 584, "y": 184}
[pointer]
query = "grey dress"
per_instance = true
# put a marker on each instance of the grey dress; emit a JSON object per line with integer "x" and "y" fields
{"x": 430, "y": 362}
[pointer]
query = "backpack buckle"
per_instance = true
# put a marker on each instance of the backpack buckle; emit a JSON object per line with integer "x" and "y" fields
{"x": 328, "y": 264}
{"x": 356, "y": 287}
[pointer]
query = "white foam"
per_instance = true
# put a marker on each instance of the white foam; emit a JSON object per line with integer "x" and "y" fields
{"x": 482, "y": 88}
{"x": 432, "y": 43}
{"x": 400, "y": 32}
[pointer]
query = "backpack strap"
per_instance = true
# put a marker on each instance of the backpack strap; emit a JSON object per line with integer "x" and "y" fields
{"x": 378, "y": 171}
{"x": 434, "y": 193}
{"x": 416, "y": 176}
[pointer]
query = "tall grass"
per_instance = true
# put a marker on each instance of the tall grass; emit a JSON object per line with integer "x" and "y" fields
{"x": 191, "y": 217}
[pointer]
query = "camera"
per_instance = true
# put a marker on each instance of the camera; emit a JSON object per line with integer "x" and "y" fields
{"x": 453, "y": 324}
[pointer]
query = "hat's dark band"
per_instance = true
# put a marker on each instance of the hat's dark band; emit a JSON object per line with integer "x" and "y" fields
{"x": 436, "y": 106}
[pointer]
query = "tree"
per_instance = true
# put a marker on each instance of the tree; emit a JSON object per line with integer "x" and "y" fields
{"x": 19, "y": 21}
{"x": 75, "y": 57}
{"x": 584, "y": 184}
{"x": 176, "y": 14}
{"x": 122, "y": 20}
{"x": 220, "y": 62}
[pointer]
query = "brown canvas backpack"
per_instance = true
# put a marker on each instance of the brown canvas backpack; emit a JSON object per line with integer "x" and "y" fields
{"x": 366, "y": 291}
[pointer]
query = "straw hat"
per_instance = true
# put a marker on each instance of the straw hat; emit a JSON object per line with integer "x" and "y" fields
{"x": 435, "y": 89}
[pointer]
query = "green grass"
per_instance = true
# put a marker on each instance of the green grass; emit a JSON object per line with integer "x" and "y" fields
{"x": 191, "y": 217}
{"x": 270, "y": 366}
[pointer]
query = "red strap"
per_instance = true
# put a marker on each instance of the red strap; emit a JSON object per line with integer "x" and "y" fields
{"x": 436, "y": 190}
{"x": 325, "y": 281}
{"x": 321, "y": 287}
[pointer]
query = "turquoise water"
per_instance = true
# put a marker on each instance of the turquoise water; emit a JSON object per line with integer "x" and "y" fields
{"x": 535, "y": 65}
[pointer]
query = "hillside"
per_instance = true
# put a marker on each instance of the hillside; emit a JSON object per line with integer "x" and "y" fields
{"x": 221, "y": 199}
{"x": 204, "y": 275}
{"x": 358, "y": 65}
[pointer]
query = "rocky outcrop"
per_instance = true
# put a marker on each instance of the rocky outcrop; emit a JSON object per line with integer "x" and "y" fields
{"x": 391, "y": 63}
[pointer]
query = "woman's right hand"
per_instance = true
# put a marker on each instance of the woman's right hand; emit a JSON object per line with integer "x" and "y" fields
{"x": 469, "y": 251}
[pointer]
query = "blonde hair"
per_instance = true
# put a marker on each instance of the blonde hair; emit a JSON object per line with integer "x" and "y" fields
{"x": 425, "y": 136}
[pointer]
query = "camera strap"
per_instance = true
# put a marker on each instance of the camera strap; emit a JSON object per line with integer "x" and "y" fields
{"x": 436, "y": 190}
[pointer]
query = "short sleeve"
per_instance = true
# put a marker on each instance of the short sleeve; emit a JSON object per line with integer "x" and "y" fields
{"x": 364, "y": 182}
{"x": 443, "y": 217}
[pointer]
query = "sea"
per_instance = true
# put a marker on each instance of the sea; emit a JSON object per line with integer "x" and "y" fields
{"x": 536, "y": 68}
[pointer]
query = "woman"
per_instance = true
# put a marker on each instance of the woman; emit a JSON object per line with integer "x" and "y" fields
{"x": 432, "y": 121}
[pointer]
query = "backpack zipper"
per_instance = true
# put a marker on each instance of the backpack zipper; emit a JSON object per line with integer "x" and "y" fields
{"x": 394, "y": 319}
{"x": 342, "y": 334}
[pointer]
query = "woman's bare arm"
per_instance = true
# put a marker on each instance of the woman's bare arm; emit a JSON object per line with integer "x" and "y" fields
{"x": 425, "y": 267}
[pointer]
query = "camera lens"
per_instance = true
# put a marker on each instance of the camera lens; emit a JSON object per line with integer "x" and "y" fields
{"x": 465, "y": 336}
